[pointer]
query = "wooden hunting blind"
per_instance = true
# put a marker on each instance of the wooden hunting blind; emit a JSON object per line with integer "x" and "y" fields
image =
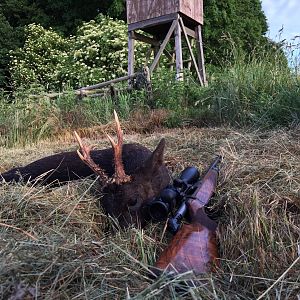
{"x": 164, "y": 21}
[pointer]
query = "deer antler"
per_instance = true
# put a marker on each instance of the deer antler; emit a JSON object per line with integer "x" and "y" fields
{"x": 119, "y": 176}
{"x": 85, "y": 156}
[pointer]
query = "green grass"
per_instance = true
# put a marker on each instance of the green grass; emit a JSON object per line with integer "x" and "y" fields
{"x": 31, "y": 118}
{"x": 261, "y": 91}
{"x": 257, "y": 91}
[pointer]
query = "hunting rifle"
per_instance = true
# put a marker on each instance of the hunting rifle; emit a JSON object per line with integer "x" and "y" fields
{"x": 194, "y": 245}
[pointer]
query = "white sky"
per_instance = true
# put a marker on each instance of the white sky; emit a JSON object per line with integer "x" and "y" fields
{"x": 282, "y": 13}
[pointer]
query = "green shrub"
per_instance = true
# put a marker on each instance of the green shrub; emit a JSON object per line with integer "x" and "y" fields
{"x": 41, "y": 60}
{"x": 97, "y": 53}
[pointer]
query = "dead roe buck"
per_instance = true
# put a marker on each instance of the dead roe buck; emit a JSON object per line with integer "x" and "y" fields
{"x": 130, "y": 175}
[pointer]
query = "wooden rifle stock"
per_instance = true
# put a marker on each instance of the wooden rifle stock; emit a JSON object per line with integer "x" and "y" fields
{"x": 194, "y": 246}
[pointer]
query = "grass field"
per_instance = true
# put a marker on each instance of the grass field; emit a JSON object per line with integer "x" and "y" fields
{"x": 53, "y": 243}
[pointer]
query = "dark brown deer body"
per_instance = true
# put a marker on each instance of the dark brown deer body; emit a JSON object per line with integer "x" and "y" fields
{"x": 136, "y": 175}
{"x": 66, "y": 166}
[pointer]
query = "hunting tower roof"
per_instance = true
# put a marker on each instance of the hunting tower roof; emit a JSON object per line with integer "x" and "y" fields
{"x": 143, "y": 10}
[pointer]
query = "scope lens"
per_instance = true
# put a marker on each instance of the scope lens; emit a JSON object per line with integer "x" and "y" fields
{"x": 159, "y": 211}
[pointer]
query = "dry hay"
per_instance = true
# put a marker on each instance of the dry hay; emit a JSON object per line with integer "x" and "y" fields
{"x": 54, "y": 243}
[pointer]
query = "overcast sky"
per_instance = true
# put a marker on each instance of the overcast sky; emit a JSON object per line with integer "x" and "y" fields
{"x": 282, "y": 13}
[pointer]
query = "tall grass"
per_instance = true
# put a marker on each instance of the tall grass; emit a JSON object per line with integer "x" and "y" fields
{"x": 30, "y": 118}
{"x": 256, "y": 90}
{"x": 260, "y": 90}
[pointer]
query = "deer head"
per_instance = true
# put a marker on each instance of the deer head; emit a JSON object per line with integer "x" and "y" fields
{"x": 124, "y": 196}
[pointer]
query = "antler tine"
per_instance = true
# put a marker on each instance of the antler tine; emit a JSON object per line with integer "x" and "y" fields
{"x": 119, "y": 130}
{"x": 85, "y": 156}
{"x": 120, "y": 175}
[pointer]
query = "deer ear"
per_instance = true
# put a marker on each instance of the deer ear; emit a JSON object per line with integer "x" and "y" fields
{"x": 156, "y": 159}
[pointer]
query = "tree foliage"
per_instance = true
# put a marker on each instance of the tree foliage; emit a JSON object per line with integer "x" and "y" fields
{"x": 227, "y": 22}
{"x": 41, "y": 59}
{"x": 7, "y": 42}
{"x": 62, "y": 15}
{"x": 232, "y": 22}
{"x": 96, "y": 53}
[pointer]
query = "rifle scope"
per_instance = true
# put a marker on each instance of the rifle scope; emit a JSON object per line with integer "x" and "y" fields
{"x": 172, "y": 195}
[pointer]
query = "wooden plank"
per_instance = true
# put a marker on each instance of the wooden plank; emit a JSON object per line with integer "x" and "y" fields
{"x": 155, "y": 52}
{"x": 138, "y": 10}
{"x": 163, "y": 46}
{"x": 200, "y": 54}
{"x": 148, "y": 55}
{"x": 145, "y": 39}
{"x": 172, "y": 61}
{"x": 168, "y": 54}
{"x": 192, "y": 9}
{"x": 130, "y": 54}
{"x": 191, "y": 32}
{"x": 191, "y": 50}
{"x": 106, "y": 83}
{"x": 152, "y": 22}
{"x": 178, "y": 51}
{"x": 190, "y": 59}
{"x": 141, "y": 10}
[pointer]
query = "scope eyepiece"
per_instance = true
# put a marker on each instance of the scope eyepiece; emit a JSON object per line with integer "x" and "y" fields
{"x": 159, "y": 210}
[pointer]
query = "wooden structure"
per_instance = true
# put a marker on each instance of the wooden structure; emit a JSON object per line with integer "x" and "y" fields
{"x": 163, "y": 21}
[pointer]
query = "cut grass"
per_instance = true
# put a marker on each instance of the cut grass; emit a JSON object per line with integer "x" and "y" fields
{"x": 54, "y": 242}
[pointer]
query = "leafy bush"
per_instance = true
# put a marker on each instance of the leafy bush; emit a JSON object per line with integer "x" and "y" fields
{"x": 7, "y": 42}
{"x": 41, "y": 59}
{"x": 98, "y": 52}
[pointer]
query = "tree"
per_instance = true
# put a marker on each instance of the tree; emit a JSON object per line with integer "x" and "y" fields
{"x": 8, "y": 41}
{"x": 62, "y": 15}
{"x": 229, "y": 22}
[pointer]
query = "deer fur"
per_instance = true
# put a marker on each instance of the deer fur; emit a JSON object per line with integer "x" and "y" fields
{"x": 124, "y": 198}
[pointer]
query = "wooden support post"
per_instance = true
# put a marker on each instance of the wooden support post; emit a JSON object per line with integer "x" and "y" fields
{"x": 200, "y": 54}
{"x": 156, "y": 50}
{"x": 163, "y": 46}
{"x": 172, "y": 62}
{"x": 148, "y": 86}
{"x": 191, "y": 50}
{"x": 130, "y": 55}
{"x": 148, "y": 55}
{"x": 190, "y": 59}
{"x": 178, "y": 50}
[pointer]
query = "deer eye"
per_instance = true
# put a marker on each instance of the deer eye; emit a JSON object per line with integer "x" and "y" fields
{"x": 134, "y": 203}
